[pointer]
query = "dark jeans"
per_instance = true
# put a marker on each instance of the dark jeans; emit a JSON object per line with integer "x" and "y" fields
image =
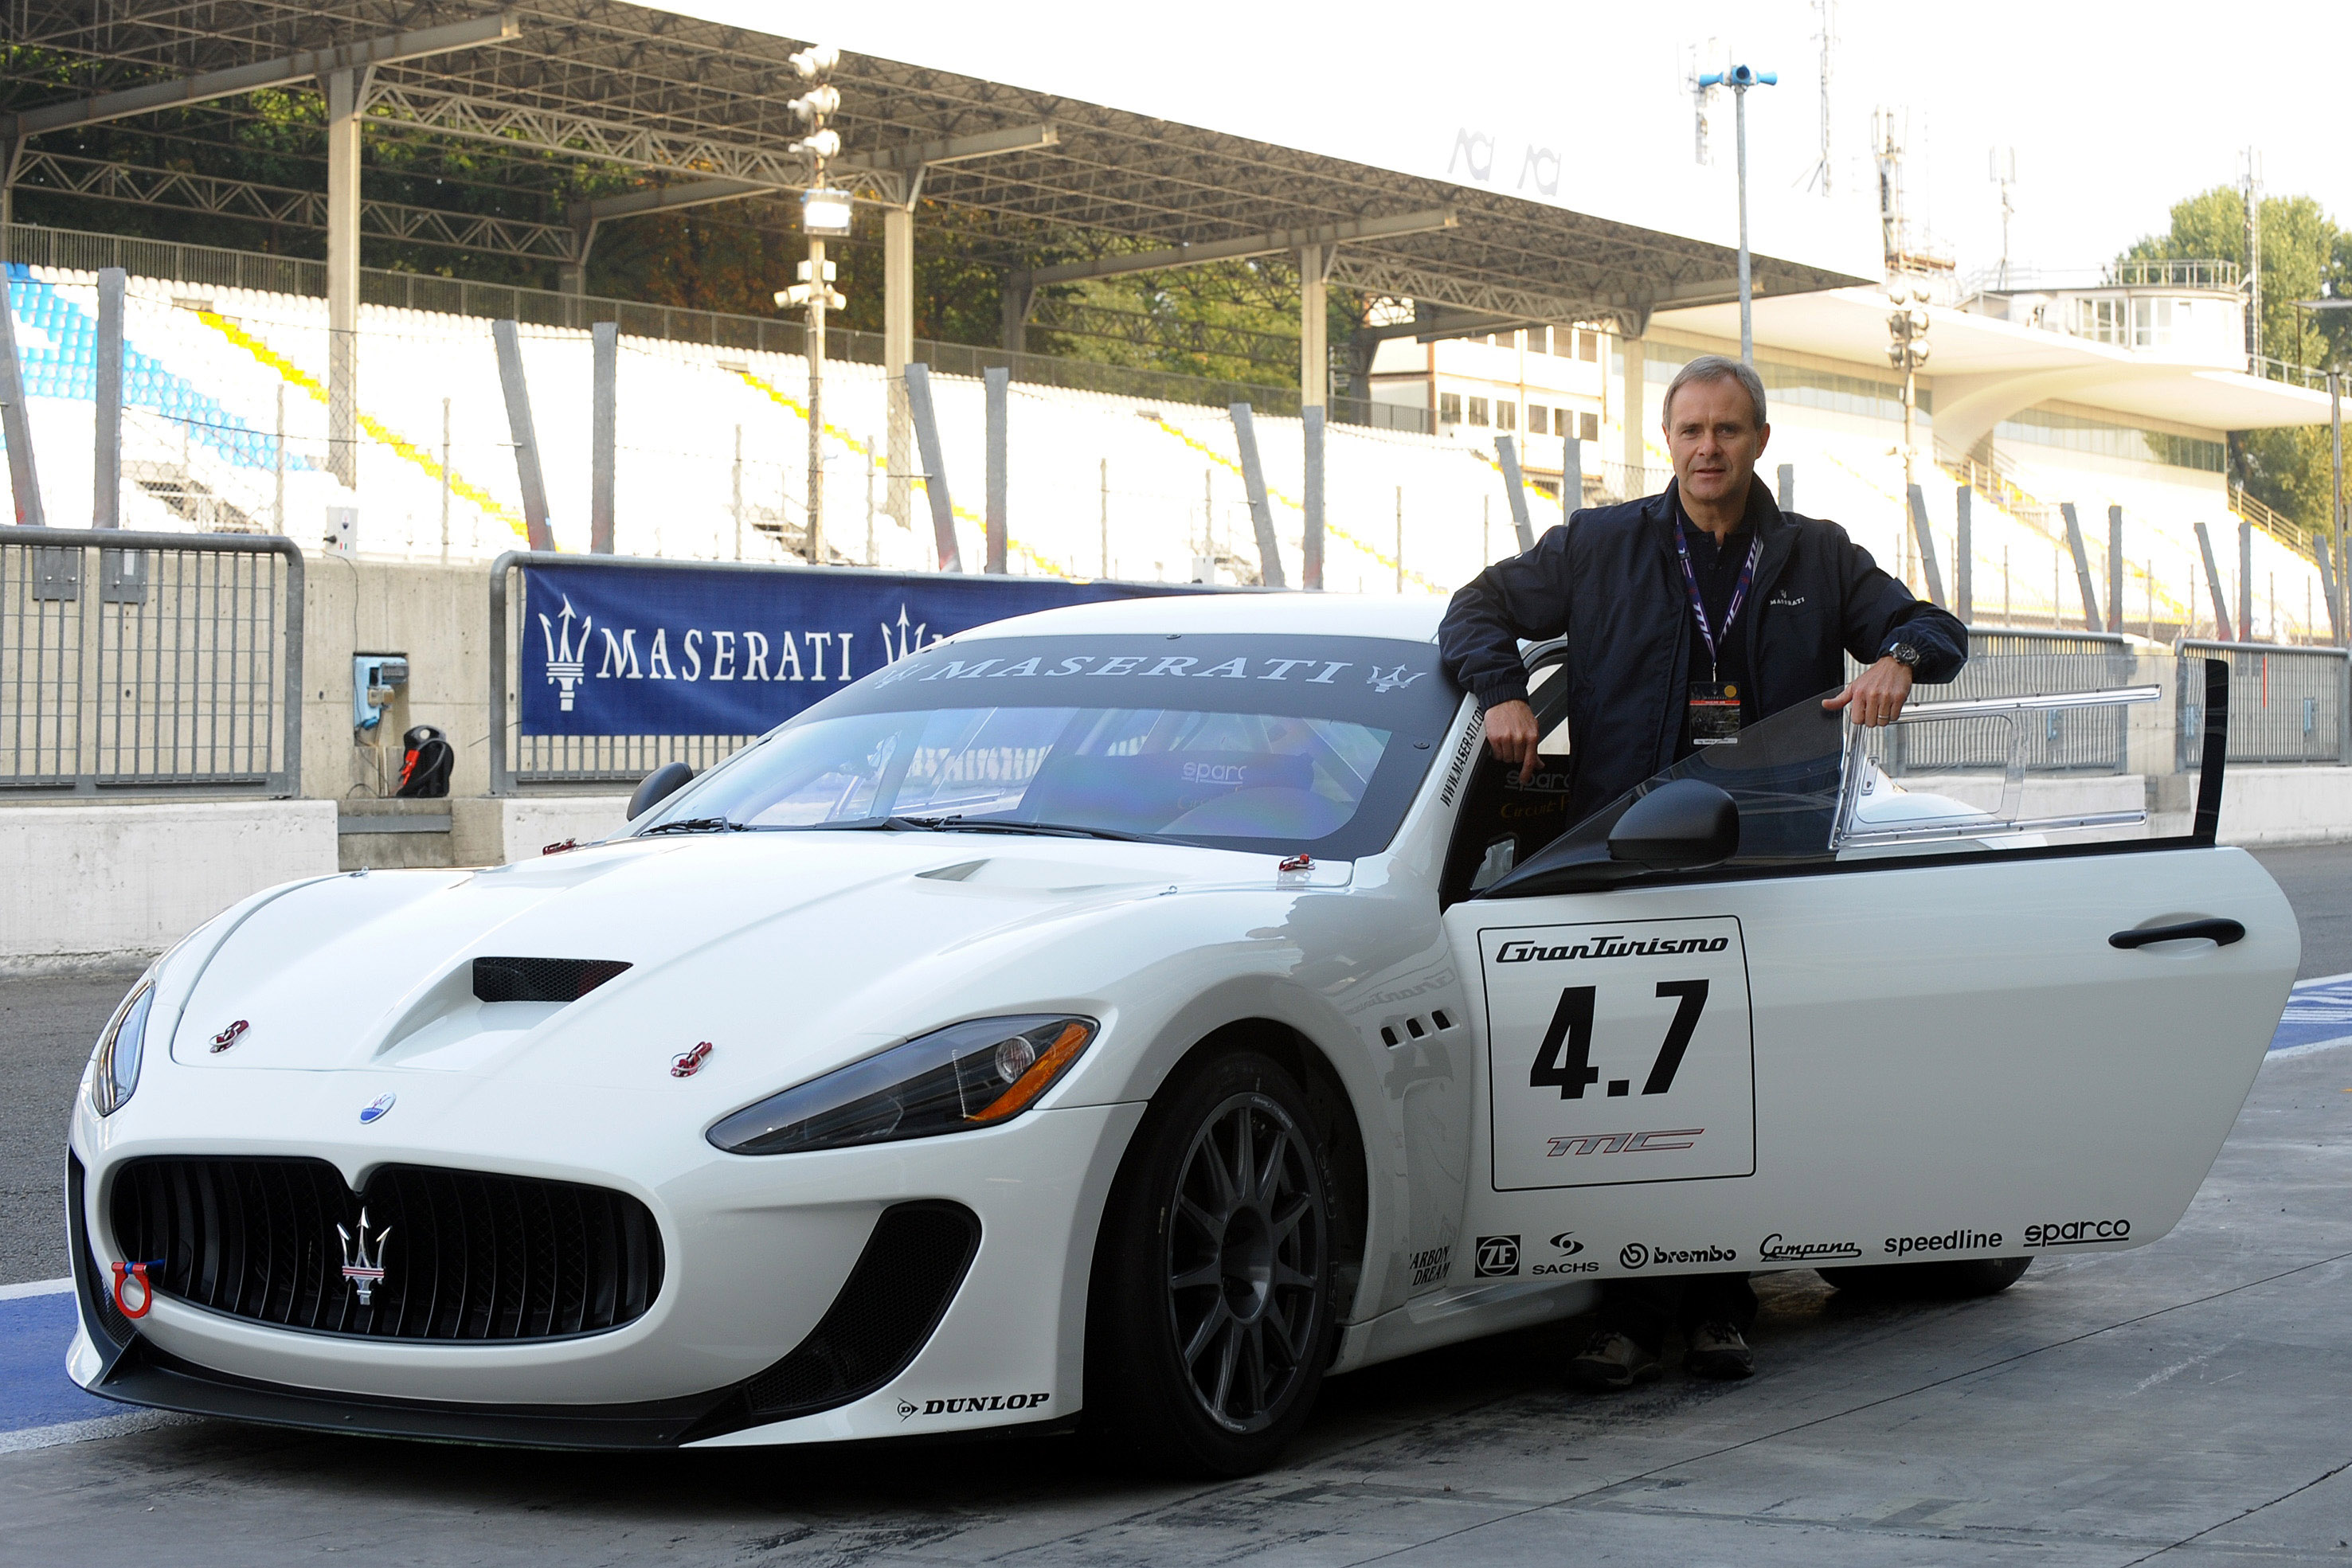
{"x": 1643, "y": 1309}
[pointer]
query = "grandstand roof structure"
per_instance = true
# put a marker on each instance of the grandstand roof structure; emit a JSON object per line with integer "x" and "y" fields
{"x": 700, "y": 109}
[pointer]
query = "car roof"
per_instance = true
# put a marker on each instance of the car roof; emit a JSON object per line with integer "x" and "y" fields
{"x": 1410, "y": 619}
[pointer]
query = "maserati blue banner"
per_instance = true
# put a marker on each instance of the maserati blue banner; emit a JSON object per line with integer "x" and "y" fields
{"x": 681, "y": 651}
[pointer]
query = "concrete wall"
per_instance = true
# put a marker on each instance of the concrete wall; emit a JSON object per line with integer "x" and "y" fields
{"x": 439, "y": 616}
{"x": 91, "y": 883}
{"x": 2287, "y": 806}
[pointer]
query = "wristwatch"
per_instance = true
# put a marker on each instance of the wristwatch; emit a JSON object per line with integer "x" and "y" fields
{"x": 1905, "y": 654}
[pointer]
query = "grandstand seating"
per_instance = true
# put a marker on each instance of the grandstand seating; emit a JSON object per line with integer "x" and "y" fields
{"x": 1097, "y": 483}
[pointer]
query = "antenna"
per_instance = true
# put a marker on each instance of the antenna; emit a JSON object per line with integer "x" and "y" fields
{"x": 1695, "y": 66}
{"x": 2250, "y": 164}
{"x": 1886, "y": 148}
{"x": 1827, "y": 9}
{"x": 2001, "y": 165}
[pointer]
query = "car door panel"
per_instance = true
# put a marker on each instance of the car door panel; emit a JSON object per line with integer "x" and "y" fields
{"x": 1949, "y": 1059}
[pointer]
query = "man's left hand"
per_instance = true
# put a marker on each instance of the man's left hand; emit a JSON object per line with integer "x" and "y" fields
{"x": 1877, "y": 695}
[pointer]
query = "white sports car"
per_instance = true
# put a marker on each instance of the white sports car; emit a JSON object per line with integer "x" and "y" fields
{"x": 1146, "y": 1009}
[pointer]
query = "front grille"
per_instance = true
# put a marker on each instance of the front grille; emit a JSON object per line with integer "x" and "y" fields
{"x": 541, "y": 979}
{"x": 893, "y": 1300}
{"x": 466, "y": 1256}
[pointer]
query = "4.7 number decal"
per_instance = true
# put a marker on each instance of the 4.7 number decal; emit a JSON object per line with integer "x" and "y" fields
{"x": 1571, "y": 1031}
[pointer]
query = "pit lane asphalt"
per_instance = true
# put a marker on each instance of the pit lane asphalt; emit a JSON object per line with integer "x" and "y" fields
{"x": 2183, "y": 1401}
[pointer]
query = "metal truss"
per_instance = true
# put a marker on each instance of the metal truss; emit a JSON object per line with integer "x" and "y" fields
{"x": 629, "y": 86}
{"x": 1079, "y": 318}
{"x": 182, "y": 191}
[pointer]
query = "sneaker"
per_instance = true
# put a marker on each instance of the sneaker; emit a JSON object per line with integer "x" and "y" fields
{"x": 1610, "y": 1361}
{"x": 1717, "y": 1351}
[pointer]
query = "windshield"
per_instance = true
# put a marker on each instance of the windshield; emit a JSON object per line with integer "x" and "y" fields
{"x": 1257, "y": 742}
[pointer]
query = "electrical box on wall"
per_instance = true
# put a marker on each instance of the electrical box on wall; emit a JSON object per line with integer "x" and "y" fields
{"x": 342, "y": 530}
{"x": 375, "y": 678}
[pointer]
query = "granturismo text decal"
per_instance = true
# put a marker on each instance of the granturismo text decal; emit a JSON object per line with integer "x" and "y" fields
{"x": 1609, "y": 947}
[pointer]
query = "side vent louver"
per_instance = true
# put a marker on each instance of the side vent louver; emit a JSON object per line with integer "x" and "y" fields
{"x": 541, "y": 979}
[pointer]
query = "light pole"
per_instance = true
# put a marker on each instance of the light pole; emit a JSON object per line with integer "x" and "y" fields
{"x": 825, "y": 213}
{"x": 1739, "y": 78}
{"x": 1906, "y": 351}
{"x": 2341, "y": 599}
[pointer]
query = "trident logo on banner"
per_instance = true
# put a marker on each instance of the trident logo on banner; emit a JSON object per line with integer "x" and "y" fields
{"x": 566, "y": 660}
{"x": 907, "y": 640}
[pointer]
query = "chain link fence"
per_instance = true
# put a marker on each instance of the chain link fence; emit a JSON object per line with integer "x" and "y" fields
{"x": 2286, "y": 703}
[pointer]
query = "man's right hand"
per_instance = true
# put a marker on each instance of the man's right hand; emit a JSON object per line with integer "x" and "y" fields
{"x": 1512, "y": 732}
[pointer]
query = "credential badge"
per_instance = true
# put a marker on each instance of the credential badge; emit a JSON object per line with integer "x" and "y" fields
{"x": 361, "y": 1266}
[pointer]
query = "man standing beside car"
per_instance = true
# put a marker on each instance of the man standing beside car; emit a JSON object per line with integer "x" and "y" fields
{"x": 1688, "y": 615}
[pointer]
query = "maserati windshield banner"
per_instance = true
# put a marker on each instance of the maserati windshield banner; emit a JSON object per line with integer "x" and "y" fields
{"x": 686, "y": 650}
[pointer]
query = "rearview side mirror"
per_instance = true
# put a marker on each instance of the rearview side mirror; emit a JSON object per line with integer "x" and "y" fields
{"x": 1686, "y": 825}
{"x": 659, "y": 786}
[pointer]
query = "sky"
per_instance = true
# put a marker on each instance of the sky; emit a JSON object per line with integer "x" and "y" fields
{"x": 2115, "y": 112}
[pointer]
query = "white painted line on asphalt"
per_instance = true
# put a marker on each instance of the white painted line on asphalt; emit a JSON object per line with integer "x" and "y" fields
{"x": 2322, "y": 980}
{"x": 2314, "y": 1047}
{"x": 92, "y": 1431}
{"x": 35, "y": 1288}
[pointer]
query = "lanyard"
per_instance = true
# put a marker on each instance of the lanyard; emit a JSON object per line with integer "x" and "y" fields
{"x": 1698, "y": 602}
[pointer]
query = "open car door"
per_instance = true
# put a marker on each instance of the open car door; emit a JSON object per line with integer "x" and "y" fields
{"x": 1870, "y": 1026}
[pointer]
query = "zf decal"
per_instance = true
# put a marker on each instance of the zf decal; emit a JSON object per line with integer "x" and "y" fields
{"x": 1497, "y": 1255}
{"x": 1657, "y": 1015}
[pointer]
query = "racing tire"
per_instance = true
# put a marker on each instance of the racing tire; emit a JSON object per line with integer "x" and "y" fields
{"x": 1210, "y": 1316}
{"x": 1957, "y": 1280}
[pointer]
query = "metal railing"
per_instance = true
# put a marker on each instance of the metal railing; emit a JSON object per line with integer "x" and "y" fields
{"x": 201, "y": 266}
{"x": 2176, "y": 273}
{"x": 2008, "y": 662}
{"x": 2286, "y": 703}
{"x": 150, "y": 662}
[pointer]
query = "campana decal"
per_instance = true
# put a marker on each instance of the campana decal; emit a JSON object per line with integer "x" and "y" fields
{"x": 1430, "y": 1266}
{"x": 1778, "y": 1248}
{"x": 1962, "y": 1240}
{"x": 972, "y": 1404}
{"x": 1497, "y": 1256}
{"x": 229, "y": 1036}
{"x": 1609, "y": 947}
{"x": 1633, "y": 1255}
{"x": 624, "y": 650}
{"x": 2075, "y": 1232}
{"x": 1626, "y": 1143}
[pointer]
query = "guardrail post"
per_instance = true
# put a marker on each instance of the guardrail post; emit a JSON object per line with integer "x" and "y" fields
{"x": 1310, "y": 565}
{"x": 2081, "y": 552}
{"x": 106, "y": 475}
{"x": 1932, "y": 567}
{"x": 1572, "y": 477}
{"x": 23, "y": 478}
{"x": 292, "y": 553}
{"x": 1514, "y": 490}
{"x": 2213, "y": 586}
{"x": 935, "y": 468}
{"x": 2115, "y": 569}
{"x": 1964, "y": 554}
{"x": 2246, "y": 582}
{"x": 996, "y": 382}
{"x": 501, "y": 775}
{"x": 1269, "y": 548}
{"x": 604, "y": 337}
{"x": 506, "y": 334}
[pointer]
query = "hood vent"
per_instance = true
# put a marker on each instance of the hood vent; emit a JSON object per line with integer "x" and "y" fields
{"x": 541, "y": 979}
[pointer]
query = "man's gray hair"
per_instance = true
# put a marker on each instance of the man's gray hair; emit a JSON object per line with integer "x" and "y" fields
{"x": 1716, "y": 368}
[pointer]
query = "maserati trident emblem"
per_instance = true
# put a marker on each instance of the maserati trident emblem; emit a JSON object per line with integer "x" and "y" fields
{"x": 376, "y": 1109}
{"x": 229, "y": 1036}
{"x": 361, "y": 1266}
{"x": 566, "y": 658}
{"x": 1388, "y": 680}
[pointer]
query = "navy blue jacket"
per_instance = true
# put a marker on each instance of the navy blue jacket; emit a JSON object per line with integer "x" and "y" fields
{"x": 1608, "y": 580}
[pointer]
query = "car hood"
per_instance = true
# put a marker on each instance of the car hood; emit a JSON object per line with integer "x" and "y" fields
{"x": 792, "y": 952}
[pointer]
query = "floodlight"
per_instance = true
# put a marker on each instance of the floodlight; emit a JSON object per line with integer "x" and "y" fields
{"x": 825, "y": 212}
{"x": 825, "y": 143}
{"x": 815, "y": 60}
{"x": 816, "y": 102}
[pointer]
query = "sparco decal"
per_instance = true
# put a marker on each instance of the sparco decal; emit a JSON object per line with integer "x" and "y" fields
{"x": 1778, "y": 1248}
{"x": 2075, "y": 1232}
{"x": 1609, "y": 947}
{"x": 1633, "y": 1255}
{"x": 1949, "y": 1241}
{"x": 1497, "y": 1255}
{"x": 972, "y": 1404}
{"x": 1429, "y": 1267}
{"x": 1626, "y": 1143}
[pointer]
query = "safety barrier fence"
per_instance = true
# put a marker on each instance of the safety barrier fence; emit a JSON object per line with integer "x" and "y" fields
{"x": 2286, "y": 703}
{"x": 150, "y": 662}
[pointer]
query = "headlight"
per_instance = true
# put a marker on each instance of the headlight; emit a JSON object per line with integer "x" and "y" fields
{"x": 114, "y": 1066}
{"x": 966, "y": 1076}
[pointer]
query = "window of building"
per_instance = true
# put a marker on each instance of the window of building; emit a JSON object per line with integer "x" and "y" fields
{"x": 1507, "y": 414}
{"x": 1477, "y": 410}
{"x": 2101, "y": 320}
{"x": 2152, "y": 321}
{"x": 1587, "y": 345}
{"x": 1538, "y": 420}
{"x": 1588, "y": 427}
{"x": 1449, "y": 408}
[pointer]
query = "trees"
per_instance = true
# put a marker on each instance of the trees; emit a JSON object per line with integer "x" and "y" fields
{"x": 2305, "y": 254}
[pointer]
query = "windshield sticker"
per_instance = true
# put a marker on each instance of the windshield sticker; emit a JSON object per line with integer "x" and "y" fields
{"x": 1317, "y": 672}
